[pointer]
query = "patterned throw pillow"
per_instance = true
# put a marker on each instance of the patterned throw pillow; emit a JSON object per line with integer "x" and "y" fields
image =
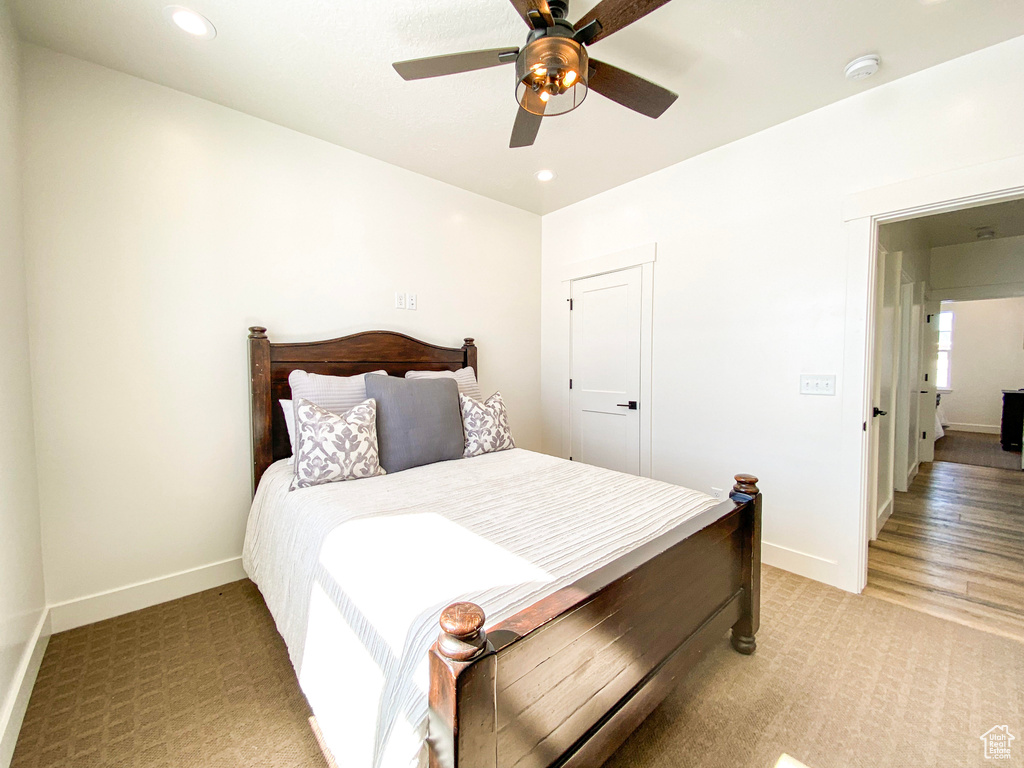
{"x": 335, "y": 393}
{"x": 334, "y": 447}
{"x": 485, "y": 425}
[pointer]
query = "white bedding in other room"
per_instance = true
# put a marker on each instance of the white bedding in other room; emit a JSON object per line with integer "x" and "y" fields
{"x": 356, "y": 573}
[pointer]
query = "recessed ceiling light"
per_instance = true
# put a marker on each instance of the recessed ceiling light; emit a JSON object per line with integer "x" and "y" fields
{"x": 189, "y": 21}
{"x": 545, "y": 175}
{"x": 864, "y": 66}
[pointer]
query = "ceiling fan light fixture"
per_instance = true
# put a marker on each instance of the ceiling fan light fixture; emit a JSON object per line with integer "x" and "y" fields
{"x": 551, "y": 75}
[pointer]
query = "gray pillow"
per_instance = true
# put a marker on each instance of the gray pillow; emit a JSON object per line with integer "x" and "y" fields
{"x": 418, "y": 420}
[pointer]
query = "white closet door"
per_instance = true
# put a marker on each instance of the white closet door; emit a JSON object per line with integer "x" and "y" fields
{"x": 604, "y": 399}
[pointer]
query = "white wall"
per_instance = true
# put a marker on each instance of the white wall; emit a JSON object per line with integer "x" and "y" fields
{"x": 21, "y": 572}
{"x": 988, "y": 357}
{"x": 158, "y": 227}
{"x": 751, "y": 290}
{"x": 985, "y": 269}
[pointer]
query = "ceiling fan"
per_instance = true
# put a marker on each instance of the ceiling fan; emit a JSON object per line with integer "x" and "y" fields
{"x": 553, "y": 69}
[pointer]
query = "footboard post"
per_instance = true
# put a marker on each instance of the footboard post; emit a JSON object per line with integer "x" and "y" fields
{"x": 743, "y": 631}
{"x": 463, "y": 730}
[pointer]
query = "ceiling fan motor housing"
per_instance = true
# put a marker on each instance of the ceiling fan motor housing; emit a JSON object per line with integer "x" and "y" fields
{"x": 552, "y": 71}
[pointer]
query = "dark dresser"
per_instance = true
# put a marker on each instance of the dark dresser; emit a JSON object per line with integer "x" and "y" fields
{"x": 1013, "y": 419}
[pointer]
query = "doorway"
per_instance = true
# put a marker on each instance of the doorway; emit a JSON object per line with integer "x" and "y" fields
{"x": 981, "y": 370}
{"x": 950, "y": 541}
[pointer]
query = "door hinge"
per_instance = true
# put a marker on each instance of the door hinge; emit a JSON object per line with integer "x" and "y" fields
{"x": 865, "y": 427}
{"x": 570, "y": 304}
{"x": 570, "y": 458}
{"x": 570, "y": 383}
{"x": 929, "y": 319}
{"x": 926, "y": 377}
{"x": 924, "y": 435}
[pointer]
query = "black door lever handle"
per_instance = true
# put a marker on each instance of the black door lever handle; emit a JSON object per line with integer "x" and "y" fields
{"x": 631, "y": 405}
{"x": 880, "y": 412}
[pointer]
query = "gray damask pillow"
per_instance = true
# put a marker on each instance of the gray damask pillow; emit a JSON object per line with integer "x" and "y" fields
{"x": 485, "y": 425}
{"x": 333, "y": 447}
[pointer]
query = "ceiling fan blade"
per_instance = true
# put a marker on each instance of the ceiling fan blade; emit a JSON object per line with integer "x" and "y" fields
{"x": 629, "y": 90}
{"x": 450, "y": 64}
{"x": 541, "y": 16}
{"x": 524, "y": 131}
{"x": 616, "y": 14}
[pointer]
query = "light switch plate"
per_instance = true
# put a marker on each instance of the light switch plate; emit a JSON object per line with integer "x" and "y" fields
{"x": 410, "y": 301}
{"x": 817, "y": 384}
{"x": 399, "y": 300}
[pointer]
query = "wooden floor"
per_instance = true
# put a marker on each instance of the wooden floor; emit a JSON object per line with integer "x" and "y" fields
{"x": 954, "y": 547}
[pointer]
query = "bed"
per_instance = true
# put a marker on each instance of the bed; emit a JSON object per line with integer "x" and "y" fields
{"x": 566, "y": 600}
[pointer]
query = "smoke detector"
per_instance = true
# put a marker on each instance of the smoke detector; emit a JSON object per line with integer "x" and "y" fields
{"x": 864, "y": 66}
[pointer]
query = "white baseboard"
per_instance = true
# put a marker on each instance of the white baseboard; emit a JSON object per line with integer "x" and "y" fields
{"x": 14, "y": 706}
{"x": 134, "y": 597}
{"x": 802, "y": 564}
{"x": 987, "y": 429}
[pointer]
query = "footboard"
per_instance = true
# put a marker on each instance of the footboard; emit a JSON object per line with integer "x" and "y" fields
{"x": 565, "y": 681}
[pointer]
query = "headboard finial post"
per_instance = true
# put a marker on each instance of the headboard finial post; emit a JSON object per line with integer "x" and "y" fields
{"x": 260, "y": 405}
{"x": 469, "y": 356}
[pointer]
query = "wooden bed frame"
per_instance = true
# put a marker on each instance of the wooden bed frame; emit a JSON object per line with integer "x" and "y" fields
{"x": 563, "y": 682}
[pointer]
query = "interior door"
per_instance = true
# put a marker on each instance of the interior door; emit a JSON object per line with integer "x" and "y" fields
{"x": 916, "y": 382}
{"x": 605, "y": 370}
{"x": 930, "y": 356}
{"x": 882, "y": 427}
{"x": 906, "y": 394}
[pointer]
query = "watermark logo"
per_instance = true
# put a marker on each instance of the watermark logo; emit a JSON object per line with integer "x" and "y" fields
{"x": 997, "y": 742}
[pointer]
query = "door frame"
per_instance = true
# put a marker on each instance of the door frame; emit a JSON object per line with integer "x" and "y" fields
{"x": 643, "y": 256}
{"x": 863, "y": 214}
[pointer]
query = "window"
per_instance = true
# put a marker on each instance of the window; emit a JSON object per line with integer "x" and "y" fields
{"x": 943, "y": 376}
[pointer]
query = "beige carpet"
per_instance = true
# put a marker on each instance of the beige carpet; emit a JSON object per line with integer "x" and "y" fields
{"x": 200, "y": 681}
{"x": 838, "y": 681}
{"x": 976, "y": 448}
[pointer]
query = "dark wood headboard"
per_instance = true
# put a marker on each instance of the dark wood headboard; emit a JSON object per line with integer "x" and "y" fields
{"x": 270, "y": 364}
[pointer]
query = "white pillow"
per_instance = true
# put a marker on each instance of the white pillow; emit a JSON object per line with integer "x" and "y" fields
{"x": 332, "y": 393}
{"x": 289, "y": 422}
{"x": 333, "y": 448}
{"x": 485, "y": 425}
{"x": 464, "y": 377}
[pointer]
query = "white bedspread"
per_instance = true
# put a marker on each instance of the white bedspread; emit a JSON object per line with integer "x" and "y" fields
{"x": 356, "y": 573}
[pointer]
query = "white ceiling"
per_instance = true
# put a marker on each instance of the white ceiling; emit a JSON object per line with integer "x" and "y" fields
{"x": 322, "y": 67}
{"x": 956, "y": 227}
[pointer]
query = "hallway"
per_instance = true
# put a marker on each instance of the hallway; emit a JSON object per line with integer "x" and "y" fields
{"x": 954, "y": 548}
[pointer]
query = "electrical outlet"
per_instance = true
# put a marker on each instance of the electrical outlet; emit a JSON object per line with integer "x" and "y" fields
{"x": 817, "y": 384}
{"x": 410, "y": 301}
{"x": 399, "y": 300}
{"x": 716, "y": 492}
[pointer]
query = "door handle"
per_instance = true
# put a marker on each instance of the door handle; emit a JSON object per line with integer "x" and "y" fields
{"x": 631, "y": 405}
{"x": 880, "y": 412}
